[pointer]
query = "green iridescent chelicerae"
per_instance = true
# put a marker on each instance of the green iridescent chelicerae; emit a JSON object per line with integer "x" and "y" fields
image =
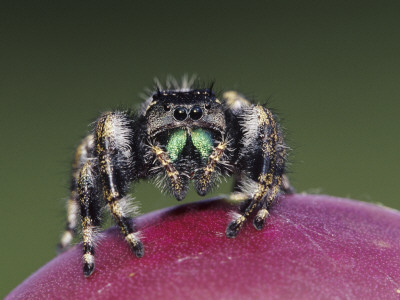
{"x": 201, "y": 140}
{"x": 176, "y": 143}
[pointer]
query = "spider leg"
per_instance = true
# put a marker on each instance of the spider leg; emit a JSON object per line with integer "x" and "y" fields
{"x": 113, "y": 134}
{"x": 82, "y": 154}
{"x": 235, "y": 102}
{"x": 286, "y": 187}
{"x": 90, "y": 210}
{"x": 262, "y": 157}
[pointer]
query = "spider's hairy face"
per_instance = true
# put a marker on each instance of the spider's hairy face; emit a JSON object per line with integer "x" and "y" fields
{"x": 182, "y": 119}
{"x": 187, "y": 110}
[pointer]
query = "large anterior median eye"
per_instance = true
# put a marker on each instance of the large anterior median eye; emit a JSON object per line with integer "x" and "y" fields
{"x": 180, "y": 113}
{"x": 196, "y": 113}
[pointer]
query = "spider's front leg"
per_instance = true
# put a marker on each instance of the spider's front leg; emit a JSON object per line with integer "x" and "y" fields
{"x": 114, "y": 134}
{"x": 262, "y": 159}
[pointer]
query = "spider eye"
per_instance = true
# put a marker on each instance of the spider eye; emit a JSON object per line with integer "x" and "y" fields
{"x": 167, "y": 107}
{"x": 180, "y": 113}
{"x": 207, "y": 106}
{"x": 196, "y": 113}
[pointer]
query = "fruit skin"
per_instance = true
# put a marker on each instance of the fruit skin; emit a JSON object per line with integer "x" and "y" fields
{"x": 312, "y": 247}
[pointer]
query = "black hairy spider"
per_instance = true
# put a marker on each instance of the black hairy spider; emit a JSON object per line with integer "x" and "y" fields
{"x": 181, "y": 134}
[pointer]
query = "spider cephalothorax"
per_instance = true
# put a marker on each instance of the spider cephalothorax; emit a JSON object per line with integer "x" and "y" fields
{"x": 180, "y": 135}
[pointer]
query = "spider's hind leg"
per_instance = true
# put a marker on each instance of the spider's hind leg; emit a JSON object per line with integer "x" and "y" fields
{"x": 82, "y": 154}
{"x": 286, "y": 187}
{"x": 90, "y": 207}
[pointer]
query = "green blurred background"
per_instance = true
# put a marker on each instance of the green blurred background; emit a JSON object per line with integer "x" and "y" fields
{"x": 330, "y": 69}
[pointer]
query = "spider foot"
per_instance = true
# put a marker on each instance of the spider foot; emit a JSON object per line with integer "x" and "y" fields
{"x": 61, "y": 248}
{"x": 88, "y": 269}
{"x": 259, "y": 219}
{"x": 88, "y": 264}
{"x": 233, "y": 228}
{"x": 135, "y": 244}
{"x": 138, "y": 249}
{"x": 65, "y": 242}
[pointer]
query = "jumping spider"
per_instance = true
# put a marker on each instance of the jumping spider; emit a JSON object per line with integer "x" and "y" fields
{"x": 181, "y": 134}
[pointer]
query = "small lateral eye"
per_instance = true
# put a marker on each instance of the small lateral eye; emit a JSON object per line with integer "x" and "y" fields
{"x": 207, "y": 106}
{"x": 167, "y": 107}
